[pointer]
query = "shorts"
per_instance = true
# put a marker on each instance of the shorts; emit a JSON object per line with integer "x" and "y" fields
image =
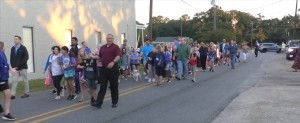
{"x": 159, "y": 71}
{"x": 4, "y": 86}
{"x": 193, "y": 68}
{"x": 212, "y": 61}
{"x": 168, "y": 66}
{"x": 68, "y": 78}
{"x": 91, "y": 84}
{"x": 136, "y": 65}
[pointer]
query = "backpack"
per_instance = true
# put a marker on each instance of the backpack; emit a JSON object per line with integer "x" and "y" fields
{"x": 122, "y": 49}
{"x": 160, "y": 60}
{"x": 168, "y": 56}
{"x": 134, "y": 58}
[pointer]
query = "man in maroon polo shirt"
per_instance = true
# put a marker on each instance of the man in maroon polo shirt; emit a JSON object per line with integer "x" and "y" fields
{"x": 109, "y": 55}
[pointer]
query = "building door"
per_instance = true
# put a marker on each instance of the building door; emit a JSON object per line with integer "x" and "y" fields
{"x": 68, "y": 36}
{"x": 28, "y": 43}
{"x": 123, "y": 37}
{"x": 98, "y": 37}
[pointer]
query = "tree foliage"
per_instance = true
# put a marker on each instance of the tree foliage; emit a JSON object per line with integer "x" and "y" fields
{"x": 200, "y": 27}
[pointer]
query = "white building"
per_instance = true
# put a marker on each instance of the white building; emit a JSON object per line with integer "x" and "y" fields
{"x": 45, "y": 23}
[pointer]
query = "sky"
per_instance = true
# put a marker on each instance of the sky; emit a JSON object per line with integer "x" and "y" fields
{"x": 173, "y": 9}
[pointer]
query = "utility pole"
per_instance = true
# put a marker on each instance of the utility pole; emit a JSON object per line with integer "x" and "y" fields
{"x": 215, "y": 18}
{"x": 234, "y": 21}
{"x": 251, "y": 32}
{"x": 181, "y": 27}
{"x": 213, "y": 3}
{"x": 295, "y": 21}
{"x": 150, "y": 20}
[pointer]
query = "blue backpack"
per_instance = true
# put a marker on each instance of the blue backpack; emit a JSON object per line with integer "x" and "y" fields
{"x": 160, "y": 60}
{"x": 168, "y": 56}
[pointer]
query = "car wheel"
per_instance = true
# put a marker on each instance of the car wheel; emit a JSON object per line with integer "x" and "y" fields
{"x": 264, "y": 50}
{"x": 279, "y": 51}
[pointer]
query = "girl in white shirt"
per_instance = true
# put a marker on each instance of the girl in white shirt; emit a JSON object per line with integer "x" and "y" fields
{"x": 56, "y": 71}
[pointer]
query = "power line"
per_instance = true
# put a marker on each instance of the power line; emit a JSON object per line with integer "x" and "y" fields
{"x": 263, "y": 6}
{"x": 189, "y": 5}
{"x": 292, "y": 9}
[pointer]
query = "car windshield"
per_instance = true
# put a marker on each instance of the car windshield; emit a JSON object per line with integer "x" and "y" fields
{"x": 267, "y": 44}
{"x": 294, "y": 44}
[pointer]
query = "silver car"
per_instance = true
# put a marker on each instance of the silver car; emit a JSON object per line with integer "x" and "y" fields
{"x": 269, "y": 47}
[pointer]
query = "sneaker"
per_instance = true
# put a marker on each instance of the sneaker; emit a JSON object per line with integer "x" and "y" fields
{"x": 13, "y": 97}
{"x": 8, "y": 117}
{"x": 62, "y": 93}
{"x": 69, "y": 97}
{"x": 57, "y": 98}
{"x": 25, "y": 96}
{"x": 149, "y": 80}
{"x": 153, "y": 80}
{"x": 146, "y": 77}
{"x": 168, "y": 81}
{"x": 73, "y": 97}
{"x": 54, "y": 92}
{"x": 114, "y": 105}
{"x": 92, "y": 100}
{"x": 177, "y": 78}
{"x": 193, "y": 80}
{"x": 97, "y": 105}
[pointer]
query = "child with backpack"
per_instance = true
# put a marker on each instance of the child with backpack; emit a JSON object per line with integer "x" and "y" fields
{"x": 193, "y": 63}
{"x": 212, "y": 55}
{"x": 68, "y": 63}
{"x": 150, "y": 65}
{"x": 134, "y": 59}
{"x": 168, "y": 57}
{"x": 125, "y": 62}
{"x": 87, "y": 74}
{"x": 160, "y": 64}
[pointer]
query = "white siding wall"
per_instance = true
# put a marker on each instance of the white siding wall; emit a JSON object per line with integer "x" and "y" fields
{"x": 50, "y": 19}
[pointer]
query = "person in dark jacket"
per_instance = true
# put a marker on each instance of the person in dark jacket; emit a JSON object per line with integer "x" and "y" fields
{"x": 18, "y": 60}
{"x": 74, "y": 51}
{"x": 203, "y": 56}
{"x": 4, "y": 69}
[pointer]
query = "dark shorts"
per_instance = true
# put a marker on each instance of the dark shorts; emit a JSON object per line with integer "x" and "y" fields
{"x": 159, "y": 71}
{"x": 136, "y": 65}
{"x": 91, "y": 84}
{"x": 4, "y": 86}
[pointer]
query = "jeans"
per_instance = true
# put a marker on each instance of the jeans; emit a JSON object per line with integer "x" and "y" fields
{"x": 77, "y": 84}
{"x": 232, "y": 59}
{"x": 203, "y": 60}
{"x": 182, "y": 68}
{"x": 151, "y": 72}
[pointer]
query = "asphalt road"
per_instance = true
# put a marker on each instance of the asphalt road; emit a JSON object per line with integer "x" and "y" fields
{"x": 141, "y": 102}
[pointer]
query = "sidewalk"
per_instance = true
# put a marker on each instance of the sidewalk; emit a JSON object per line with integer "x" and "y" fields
{"x": 274, "y": 99}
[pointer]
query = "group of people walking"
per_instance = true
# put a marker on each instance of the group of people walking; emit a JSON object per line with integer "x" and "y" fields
{"x": 79, "y": 66}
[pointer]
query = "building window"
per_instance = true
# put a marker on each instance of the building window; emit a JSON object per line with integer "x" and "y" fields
{"x": 28, "y": 43}
{"x": 98, "y": 37}
{"x": 68, "y": 36}
{"x": 123, "y": 37}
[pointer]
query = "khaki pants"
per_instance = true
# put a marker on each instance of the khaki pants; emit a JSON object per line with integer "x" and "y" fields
{"x": 15, "y": 80}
